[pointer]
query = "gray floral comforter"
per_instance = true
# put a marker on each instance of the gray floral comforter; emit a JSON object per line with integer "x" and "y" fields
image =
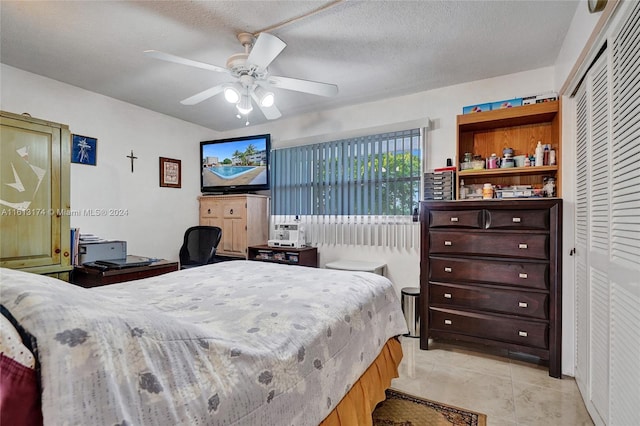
{"x": 235, "y": 343}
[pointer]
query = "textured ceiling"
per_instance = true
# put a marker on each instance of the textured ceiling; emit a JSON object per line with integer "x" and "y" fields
{"x": 371, "y": 49}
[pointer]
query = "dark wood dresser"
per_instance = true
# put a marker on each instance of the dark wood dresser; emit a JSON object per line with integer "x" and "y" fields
{"x": 490, "y": 273}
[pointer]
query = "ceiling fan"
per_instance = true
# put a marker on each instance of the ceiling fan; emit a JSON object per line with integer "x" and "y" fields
{"x": 250, "y": 69}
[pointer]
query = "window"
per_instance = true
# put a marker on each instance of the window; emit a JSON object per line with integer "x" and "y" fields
{"x": 370, "y": 175}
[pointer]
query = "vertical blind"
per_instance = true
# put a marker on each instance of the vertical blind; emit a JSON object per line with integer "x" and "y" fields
{"x": 358, "y": 191}
{"x": 370, "y": 175}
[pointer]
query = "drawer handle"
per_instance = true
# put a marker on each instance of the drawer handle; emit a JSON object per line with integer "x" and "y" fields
{"x": 447, "y": 295}
{"x": 522, "y": 246}
{"x": 522, "y": 333}
{"x": 523, "y": 305}
{"x": 523, "y": 275}
{"x": 231, "y": 211}
{"x": 454, "y": 219}
{"x": 447, "y": 269}
{"x": 448, "y": 322}
{"x": 208, "y": 211}
{"x": 447, "y": 243}
{"x": 515, "y": 220}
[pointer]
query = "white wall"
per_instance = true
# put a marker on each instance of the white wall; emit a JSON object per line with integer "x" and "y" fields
{"x": 156, "y": 217}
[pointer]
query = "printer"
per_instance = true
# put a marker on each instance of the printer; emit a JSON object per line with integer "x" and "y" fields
{"x": 288, "y": 235}
{"x": 90, "y": 251}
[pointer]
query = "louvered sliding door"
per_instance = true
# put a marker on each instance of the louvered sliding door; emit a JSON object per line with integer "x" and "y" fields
{"x": 625, "y": 223}
{"x": 592, "y": 239}
{"x": 608, "y": 228}
{"x": 582, "y": 237}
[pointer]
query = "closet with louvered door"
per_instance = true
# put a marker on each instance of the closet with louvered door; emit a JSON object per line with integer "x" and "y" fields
{"x": 607, "y": 230}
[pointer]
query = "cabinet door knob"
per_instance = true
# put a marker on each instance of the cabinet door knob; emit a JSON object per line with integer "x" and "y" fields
{"x": 448, "y": 322}
{"x": 522, "y": 333}
{"x": 522, "y": 246}
{"x": 447, "y": 295}
{"x": 515, "y": 220}
{"x": 447, "y": 243}
{"x": 523, "y": 304}
{"x": 447, "y": 269}
{"x": 454, "y": 219}
{"x": 523, "y": 275}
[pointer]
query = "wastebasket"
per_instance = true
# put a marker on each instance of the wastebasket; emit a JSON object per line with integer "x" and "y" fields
{"x": 410, "y": 300}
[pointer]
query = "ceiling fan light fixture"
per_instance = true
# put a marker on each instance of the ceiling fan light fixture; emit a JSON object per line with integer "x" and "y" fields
{"x": 244, "y": 106}
{"x": 265, "y": 97}
{"x": 232, "y": 93}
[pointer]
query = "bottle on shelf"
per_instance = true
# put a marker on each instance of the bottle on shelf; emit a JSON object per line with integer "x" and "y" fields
{"x": 539, "y": 154}
{"x": 487, "y": 191}
{"x": 545, "y": 155}
{"x": 463, "y": 190}
{"x": 527, "y": 162}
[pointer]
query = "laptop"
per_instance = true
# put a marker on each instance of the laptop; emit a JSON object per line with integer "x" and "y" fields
{"x": 129, "y": 262}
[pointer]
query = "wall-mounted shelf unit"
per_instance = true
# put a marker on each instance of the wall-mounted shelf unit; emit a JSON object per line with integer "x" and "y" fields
{"x": 519, "y": 128}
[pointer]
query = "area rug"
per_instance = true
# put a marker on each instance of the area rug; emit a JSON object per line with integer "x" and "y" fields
{"x": 401, "y": 409}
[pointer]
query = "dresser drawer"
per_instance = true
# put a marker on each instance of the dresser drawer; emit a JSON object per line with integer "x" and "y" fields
{"x": 527, "y": 246}
{"x": 234, "y": 209}
{"x": 456, "y": 219}
{"x": 519, "y": 274}
{"x": 208, "y": 209}
{"x": 494, "y": 327}
{"x": 517, "y": 219}
{"x": 481, "y": 298}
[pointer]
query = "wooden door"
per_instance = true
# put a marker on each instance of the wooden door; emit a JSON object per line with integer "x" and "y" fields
{"x": 30, "y": 194}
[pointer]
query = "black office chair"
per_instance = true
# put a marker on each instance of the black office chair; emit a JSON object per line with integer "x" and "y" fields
{"x": 199, "y": 246}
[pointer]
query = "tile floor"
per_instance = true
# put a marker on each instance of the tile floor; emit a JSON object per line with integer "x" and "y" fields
{"x": 509, "y": 391}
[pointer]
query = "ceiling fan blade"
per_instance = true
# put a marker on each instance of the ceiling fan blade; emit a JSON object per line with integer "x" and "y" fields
{"x": 265, "y": 50}
{"x": 271, "y": 113}
{"x": 183, "y": 61}
{"x": 306, "y": 86}
{"x": 199, "y": 97}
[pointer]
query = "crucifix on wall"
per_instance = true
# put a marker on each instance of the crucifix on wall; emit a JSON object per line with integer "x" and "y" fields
{"x": 132, "y": 157}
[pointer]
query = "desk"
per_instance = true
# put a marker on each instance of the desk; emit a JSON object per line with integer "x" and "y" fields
{"x": 92, "y": 277}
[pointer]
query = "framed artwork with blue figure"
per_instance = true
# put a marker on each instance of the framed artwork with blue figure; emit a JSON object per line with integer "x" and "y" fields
{"x": 84, "y": 150}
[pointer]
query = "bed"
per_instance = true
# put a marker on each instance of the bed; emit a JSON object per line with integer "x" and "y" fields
{"x": 234, "y": 343}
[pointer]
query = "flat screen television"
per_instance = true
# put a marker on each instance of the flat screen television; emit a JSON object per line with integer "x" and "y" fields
{"x": 235, "y": 165}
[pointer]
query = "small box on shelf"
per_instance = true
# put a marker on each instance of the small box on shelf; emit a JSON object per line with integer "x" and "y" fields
{"x": 476, "y": 108}
{"x": 509, "y": 103}
{"x": 537, "y": 99}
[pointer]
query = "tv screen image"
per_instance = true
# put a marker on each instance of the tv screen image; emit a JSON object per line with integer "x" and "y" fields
{"x": 235, "y": 164}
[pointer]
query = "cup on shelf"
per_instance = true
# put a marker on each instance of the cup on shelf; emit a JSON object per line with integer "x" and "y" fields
{"x": 519, "y": 160}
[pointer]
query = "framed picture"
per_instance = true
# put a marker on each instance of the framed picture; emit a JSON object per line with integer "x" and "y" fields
{"x": 84, "y": 150}
{"x": 170, "y": 173}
